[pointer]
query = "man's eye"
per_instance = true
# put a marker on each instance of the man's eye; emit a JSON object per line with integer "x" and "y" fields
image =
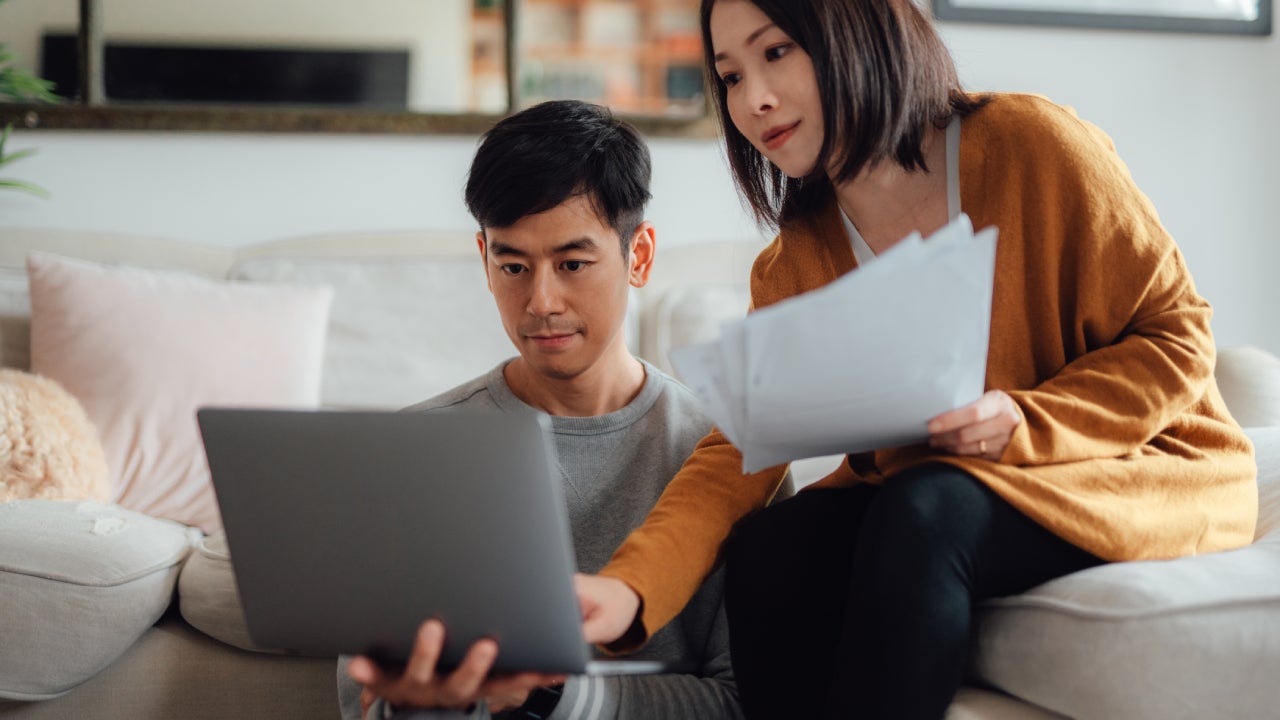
{"x": 574, "y": 265}
{"x": 512, "y": 269}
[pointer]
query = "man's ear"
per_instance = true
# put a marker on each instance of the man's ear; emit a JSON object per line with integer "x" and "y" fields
{"x": 484, "y": 257}
{"x": 643, "y": 247}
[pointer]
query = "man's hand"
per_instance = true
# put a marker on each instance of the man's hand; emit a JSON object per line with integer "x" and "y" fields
{"x": 609, "y": 607}
{"x": 982, "y": 428}
{"x": 421, "y": 685}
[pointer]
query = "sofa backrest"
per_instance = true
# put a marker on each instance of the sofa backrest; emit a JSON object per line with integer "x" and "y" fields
{"x": 402, "y": 300}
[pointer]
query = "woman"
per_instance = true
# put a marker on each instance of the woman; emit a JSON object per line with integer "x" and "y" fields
{"x": 1101, "y": 437}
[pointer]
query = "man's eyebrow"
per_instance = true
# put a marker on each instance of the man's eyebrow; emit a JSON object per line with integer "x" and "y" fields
{"x": 582, "y": 243}
{"x": 497, "y": 247}
{"x": 755, "y": 35}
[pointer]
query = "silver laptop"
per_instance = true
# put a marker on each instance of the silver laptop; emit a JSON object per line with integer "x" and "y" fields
{"x": 348, "y": 529}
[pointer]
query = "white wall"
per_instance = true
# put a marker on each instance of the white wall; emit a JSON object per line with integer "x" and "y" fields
{"x": 1192, "y": 115}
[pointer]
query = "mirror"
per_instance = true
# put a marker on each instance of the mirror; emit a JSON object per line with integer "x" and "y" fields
{"x": 398, "y": 66}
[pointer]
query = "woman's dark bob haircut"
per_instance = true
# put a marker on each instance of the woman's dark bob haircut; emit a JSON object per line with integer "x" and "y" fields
{"x": 884, "y": 76}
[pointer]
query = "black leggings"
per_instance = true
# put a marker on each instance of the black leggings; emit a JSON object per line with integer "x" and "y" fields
{"x": 857, "y": 602}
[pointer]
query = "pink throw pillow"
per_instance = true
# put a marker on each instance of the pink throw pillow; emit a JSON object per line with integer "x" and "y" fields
{"x": 143, "y": 349}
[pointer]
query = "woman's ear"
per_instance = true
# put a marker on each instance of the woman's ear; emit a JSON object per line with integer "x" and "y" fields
{"x": 641, "y": 254}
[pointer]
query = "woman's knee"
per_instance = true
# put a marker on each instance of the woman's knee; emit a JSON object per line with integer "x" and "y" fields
{"x": 799, "y": 524}
{"x": 930, "y": 501}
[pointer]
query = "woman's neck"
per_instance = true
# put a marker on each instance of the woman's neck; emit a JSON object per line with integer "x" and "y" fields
{"x": 886, "y": 202}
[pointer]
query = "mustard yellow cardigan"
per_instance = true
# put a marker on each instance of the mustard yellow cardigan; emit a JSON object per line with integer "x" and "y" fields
{"x": 1125, "y": 447}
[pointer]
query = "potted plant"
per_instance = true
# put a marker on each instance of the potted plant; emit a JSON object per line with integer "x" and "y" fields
{"x": 17, "y": 84}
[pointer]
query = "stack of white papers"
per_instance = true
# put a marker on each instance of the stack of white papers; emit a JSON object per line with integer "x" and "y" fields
{"x": 862, "y": 363}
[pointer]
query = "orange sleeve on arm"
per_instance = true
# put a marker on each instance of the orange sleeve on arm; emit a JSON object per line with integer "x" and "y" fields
{"x": 666, "y": 559}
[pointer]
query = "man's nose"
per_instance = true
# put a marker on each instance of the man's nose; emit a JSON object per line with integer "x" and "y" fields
{"x": 545, "y": 297}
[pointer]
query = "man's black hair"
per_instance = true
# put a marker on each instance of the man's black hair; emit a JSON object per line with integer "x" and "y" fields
{"x": 537, "y": 158}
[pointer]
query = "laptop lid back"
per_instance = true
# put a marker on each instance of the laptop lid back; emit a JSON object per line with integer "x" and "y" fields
{"x": 348, "y": 529}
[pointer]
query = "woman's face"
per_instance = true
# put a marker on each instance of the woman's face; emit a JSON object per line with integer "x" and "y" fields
{"x": 770, "y": 86}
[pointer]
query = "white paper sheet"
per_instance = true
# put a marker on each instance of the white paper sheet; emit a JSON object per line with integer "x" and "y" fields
{"x": 860, "y": 364}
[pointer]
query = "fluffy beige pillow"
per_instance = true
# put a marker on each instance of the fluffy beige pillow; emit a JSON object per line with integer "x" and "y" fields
{"x": 142, "y": 350}
{"x": 48, "y": 448}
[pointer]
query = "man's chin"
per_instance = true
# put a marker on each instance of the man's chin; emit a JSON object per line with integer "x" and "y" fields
{"x": 555, "y": 371}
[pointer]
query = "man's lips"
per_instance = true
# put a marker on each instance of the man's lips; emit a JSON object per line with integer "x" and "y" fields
{"x": 776, "y": 136}
{"x": 551, "y": 340}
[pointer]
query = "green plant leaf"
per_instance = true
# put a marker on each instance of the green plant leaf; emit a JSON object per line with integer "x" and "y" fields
{"x": 24, "y": 186}
{"x": 16, "y": 83}
{"x": 11, "y": 157}
{"x": 6, "y": 159}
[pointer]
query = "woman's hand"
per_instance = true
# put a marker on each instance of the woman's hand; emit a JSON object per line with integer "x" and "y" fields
{"x": 423, "y": 685}
{"x": 981, "y": 429}
{"x": 609, "y": 607}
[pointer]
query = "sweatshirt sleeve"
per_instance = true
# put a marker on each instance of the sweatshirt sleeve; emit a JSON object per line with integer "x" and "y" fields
{"x": 710, "y": 693}
{"x": 1126, "y": 301}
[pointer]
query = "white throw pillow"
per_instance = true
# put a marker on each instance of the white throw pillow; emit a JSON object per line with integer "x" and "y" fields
{"x": 686, "y": 315}
{"x": 1249, "y": 379}
{"x": 80, "y": 582}
{"x": 142, "y": 350}
{"x": 402, "y": 329}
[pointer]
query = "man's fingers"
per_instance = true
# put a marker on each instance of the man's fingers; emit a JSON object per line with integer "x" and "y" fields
{"x": 364, "y": 671}
{"x": 464, "y": 683}
{"x": 426, "y": 653}
{"x": 520, "y": 681}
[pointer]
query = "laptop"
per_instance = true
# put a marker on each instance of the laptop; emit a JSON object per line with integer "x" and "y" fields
{"x": 348, "y": 529}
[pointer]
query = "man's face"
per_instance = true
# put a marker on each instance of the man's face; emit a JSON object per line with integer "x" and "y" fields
{"x": 561, "y": 285}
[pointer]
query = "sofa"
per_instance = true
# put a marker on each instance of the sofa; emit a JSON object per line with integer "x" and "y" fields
{"x": 125, "y": 606}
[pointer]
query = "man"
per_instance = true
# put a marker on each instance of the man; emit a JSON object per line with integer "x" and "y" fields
{"x": 559, "y": 191}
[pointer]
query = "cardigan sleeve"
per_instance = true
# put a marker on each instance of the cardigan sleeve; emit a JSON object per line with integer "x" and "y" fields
{"x": 1113, "y": 399}
{"x": 666, "y": 559}
{"x": 1136, "y": 334}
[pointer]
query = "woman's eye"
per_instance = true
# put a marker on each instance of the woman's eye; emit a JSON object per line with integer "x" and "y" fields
{"x": 730, "y": 79}
{"x": 776, "y": 52}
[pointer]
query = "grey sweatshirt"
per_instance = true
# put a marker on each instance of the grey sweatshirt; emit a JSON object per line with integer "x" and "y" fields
{"x": 614, "y": 467}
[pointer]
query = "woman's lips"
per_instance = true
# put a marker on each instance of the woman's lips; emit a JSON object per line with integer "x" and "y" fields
{"x": 776, "y": 136}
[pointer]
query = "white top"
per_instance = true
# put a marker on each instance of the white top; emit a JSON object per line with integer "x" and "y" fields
{"x": 862, "y": 252}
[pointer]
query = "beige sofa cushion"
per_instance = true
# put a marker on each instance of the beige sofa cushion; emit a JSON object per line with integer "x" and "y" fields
{"x": 79, "y": 583}
{"x": 208, "y": 596}
{"x": 143, "y": 349}
{"x": 1194, "y": 637}
{"x": 15, "y": 319}
{"x": 174, "y": 672}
